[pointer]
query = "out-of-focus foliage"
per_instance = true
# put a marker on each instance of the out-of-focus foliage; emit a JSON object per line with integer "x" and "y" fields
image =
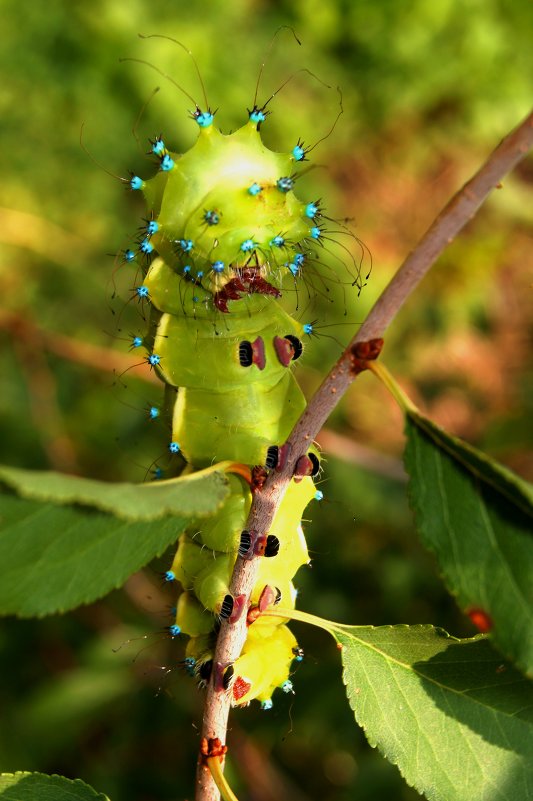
{"x": 427, "y": 89}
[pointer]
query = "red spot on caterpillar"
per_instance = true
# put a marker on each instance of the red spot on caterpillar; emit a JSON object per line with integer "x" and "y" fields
{"x": 480, "y": 619}
{"x": 267, "y": 598}
{"x": 258, "y": 543}
{"x": 239, "y": 602}
{"x": 240, "y": 687}
{"x": 284, "y": 350}
{"x": 258, "y": 353}
{"x": 307, "y": 465}
{"x": 283, "y": 451}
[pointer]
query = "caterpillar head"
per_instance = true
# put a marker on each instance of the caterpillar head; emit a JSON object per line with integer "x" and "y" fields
{"x": 225, "y": 215}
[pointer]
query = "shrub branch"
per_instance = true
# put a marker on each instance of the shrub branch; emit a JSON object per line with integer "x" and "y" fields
{"x": 364, "y": 346}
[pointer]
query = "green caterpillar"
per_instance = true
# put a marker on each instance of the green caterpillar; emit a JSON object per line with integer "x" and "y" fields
{"x": 226, "y": 233}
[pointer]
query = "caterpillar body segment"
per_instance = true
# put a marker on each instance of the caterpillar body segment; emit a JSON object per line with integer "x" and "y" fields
{"x": 225, "y": 235}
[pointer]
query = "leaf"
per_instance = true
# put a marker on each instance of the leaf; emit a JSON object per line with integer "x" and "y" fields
{"x": 195, "y": 495}
{"x": 39, "y": 787}
{"x": 54, "y": 558}
{"x": 477, "y": 517}
{"x": 456, "y": 721}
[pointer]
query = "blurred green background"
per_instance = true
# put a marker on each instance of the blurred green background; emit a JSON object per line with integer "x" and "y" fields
{"x": 428, "y": 89}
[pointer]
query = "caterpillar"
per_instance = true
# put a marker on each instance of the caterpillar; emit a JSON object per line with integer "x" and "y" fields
{"x": 225, "y": 235}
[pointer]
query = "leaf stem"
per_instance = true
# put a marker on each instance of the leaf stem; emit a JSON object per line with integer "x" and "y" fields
{"x": 305, "y": 617}
{"x": 460, "y": 209}
{"x": 405, "y": 403}
{"x": 215, "y": 766}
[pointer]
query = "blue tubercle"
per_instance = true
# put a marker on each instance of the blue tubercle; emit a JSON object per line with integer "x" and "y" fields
{"x": 136, "y": 182}
{"x": 311, "y": 210}
{"x": 248, "y": 245}
{"x": 174, "y": 630}
{"x": 298, "y": 152}
{"x": 277, "y": 242}
{"x": 287, "y": 686}
{"x": 152, "y": 227}
{"x": 186, "y": 245}
{"x": 153, "y": 412}
{"x": 146, "y": 246}
{"x": 153, "y": 359}
{"x": 257, "y": 116}
{"x": 308, "y": 328}
{"x": 212, "y": 217}
{"x": 158, "y": 473}
{"x": 189, "y": 663}
{"x": 299, "y": 259}
{"x": 187, "y": 269}
{"x": 254, "y": 189}
{"x": 142, "y": 291}
{"x": 315, "y": 232}
{"x": 158, "y": 146}
{"x": 136, "y": 342}
{"x": 174, "y": 447}
{"x": 294, "y": 269}
{"x": 128, "y": 255}
{"x": 167, "y": 163}
{"x": 203, "y": 118}
{"x": 218, "y": 266}
{"x": 267, "y": 704}
{"x": 170, "y": 576}
{"x": 199, "y": 275}
{"x": 285, "y": 184}
{"x": 319, "y": 495}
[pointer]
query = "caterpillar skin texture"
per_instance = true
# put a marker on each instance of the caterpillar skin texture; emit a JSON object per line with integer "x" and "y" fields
{"x": 226, "y": 234}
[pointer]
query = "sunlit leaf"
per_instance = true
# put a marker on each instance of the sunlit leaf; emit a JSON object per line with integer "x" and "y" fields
{"x": 454, "y": 718}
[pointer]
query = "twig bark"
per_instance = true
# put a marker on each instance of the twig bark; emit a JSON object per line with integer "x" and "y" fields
{"x": 449, "y": 222}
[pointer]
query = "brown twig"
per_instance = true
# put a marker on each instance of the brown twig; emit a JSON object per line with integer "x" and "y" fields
{"x": 449, "y": 222}
{"x": 20, "y": 325}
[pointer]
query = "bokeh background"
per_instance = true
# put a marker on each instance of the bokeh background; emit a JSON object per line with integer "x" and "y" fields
{"x": 428, "y": 89}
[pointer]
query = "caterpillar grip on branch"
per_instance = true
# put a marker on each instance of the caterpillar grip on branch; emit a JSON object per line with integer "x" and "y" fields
{"x": 225, "y": 236}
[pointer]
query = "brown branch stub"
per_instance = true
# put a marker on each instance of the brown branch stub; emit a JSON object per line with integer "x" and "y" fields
{"x": 211, "y": 747}
{"x": 363, "y": 352}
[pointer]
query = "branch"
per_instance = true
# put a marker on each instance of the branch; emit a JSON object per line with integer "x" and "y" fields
{"x": 461, "y": 208}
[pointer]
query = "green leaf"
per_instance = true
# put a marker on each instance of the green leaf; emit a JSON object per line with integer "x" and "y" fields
{"x": 195, "y": 495}
{"x": 54, "y": 558}
{"x": 39, "y": 787}
{"x": 477, "y": 517}
{"x": 456, "y": 721}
